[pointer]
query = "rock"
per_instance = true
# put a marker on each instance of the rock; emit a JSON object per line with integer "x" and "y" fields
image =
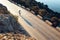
{"x": 6, "y": 23}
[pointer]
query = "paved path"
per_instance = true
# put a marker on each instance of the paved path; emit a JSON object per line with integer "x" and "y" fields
{"x": 34, "y": 26}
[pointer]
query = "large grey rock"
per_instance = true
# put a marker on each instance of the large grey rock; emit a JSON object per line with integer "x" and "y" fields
{"x": 8, "y": 23}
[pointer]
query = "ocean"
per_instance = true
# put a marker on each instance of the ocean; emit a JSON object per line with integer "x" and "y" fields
{"x": 52, "y": 4}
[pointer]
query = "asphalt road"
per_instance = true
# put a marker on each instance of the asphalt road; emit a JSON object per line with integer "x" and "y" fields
{"x": 33, "y": 25}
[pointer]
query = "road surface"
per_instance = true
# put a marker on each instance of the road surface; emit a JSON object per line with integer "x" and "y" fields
{"x": 33, "y": 25}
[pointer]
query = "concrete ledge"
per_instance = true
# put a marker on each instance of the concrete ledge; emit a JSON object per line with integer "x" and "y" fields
{"x": 22, "y": 6}
{"x": 32, "y": 12}
{"x": 48, "y": 22}
{"x": 39, "y": 16}
{"x": 19, "y": 5}
{"x": 58, "y": 28}
{"x": 16, "y": 3}
{"x": 28, "y": 9}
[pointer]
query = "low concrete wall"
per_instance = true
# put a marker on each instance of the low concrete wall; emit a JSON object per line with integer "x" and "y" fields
{"x": 32, "y": 12}
{"x": 58, "y": 28}
{"x": 48, "y": 22}
{"x": 39, "y": 16}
